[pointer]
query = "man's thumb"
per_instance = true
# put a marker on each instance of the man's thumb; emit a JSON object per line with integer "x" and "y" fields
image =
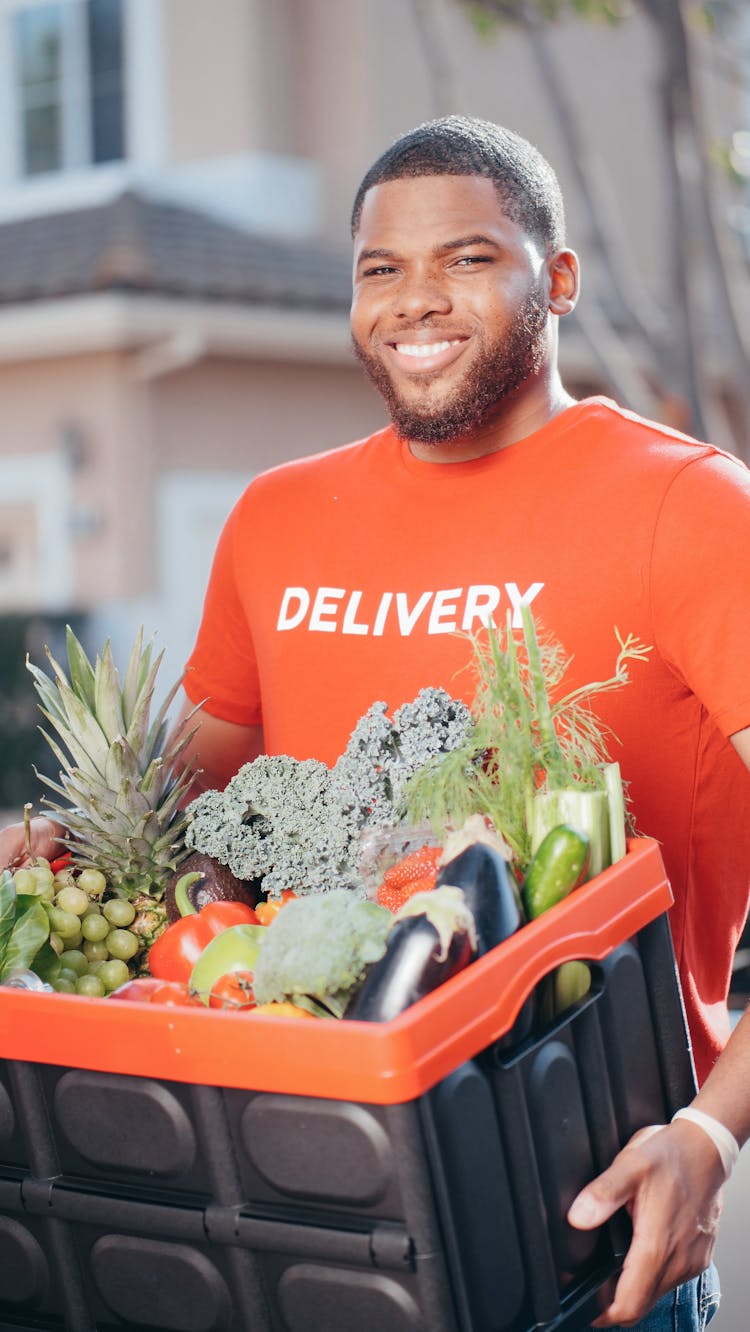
{"x": 603, "y": 1196}
{"x": 613, "y": 1188}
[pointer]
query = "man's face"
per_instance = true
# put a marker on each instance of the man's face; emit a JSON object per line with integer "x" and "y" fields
{"x": 450, "y": 316}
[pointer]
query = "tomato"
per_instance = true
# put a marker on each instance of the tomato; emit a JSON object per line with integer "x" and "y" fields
{"x": 232, "y": 990}
{"x": 149, "y": 990}
{"x": 174, "y": 993}
{"x": 140, "y": 988}
{"x": 234, "y": 950}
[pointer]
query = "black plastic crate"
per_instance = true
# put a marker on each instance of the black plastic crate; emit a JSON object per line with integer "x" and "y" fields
{"x": 277, "y": 1211}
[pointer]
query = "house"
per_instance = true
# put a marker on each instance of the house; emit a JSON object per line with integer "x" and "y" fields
{"x": 175, "y": 180}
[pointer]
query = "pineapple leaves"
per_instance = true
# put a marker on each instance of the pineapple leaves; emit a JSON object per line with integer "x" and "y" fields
{"x": 138, "y": 735}
{"x": 118, "y": 792}
{"x": 107, "y": 699}
{"x": 81, "y": 670}
{"x": 137, "y": 664}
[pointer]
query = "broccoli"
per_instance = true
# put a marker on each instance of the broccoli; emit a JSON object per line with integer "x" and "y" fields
{"x": 316, "y": 951}
{"x": 295, "y": 823}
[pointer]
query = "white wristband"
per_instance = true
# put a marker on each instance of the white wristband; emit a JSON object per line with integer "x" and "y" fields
{"x": 725, "y": 1142}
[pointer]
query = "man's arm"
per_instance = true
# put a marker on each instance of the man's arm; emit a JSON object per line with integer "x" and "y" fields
{"x": 671, "y": 1180}
{"x": 218, "y": 749}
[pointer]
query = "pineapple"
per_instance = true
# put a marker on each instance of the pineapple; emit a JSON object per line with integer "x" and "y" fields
{"x": 119, "y": 790}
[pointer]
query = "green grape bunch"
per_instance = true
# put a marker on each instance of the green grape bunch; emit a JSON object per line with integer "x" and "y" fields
{"x": 89, "y": 930}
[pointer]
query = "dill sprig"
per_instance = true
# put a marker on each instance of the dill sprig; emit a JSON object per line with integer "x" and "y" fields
{"x": 526, "y": 737}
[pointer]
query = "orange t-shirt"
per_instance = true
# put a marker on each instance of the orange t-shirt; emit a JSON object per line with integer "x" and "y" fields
{"x": 353, "y": 576}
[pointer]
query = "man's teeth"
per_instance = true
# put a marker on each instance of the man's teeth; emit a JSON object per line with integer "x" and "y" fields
{"x": 425, "y": 348}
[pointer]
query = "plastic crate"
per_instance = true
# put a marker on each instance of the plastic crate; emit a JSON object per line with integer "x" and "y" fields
{"x": 229, "y": 1172}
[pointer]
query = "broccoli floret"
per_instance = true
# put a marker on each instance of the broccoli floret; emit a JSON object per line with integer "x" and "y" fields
{"x": 316, "y": 951}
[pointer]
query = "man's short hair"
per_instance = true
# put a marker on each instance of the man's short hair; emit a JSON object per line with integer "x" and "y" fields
{"x": 465, "y": 146}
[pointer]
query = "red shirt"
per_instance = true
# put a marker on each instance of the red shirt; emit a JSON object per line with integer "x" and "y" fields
{"x": 354, "y": 576}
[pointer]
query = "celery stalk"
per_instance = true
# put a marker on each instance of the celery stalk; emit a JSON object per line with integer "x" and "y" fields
{"x": 616, "y": 801}
{"x": 583, "y": 809}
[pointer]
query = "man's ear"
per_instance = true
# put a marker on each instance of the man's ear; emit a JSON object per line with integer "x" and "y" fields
{"x": 563, "y": 282}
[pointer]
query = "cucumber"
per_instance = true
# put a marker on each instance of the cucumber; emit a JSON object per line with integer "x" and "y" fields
{"x": 557, "y": 866}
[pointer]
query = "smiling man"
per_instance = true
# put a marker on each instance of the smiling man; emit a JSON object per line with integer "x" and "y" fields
{"x": 355, "y": 575}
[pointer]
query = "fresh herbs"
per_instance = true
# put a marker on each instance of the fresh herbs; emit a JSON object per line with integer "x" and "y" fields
{"x": 528, "y": 738}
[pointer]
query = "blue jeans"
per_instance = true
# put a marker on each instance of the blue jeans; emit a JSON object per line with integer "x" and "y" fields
{"x": 689, "y": 1308}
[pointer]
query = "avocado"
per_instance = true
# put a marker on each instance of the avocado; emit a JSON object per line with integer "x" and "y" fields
{"x": 217, "y": 885}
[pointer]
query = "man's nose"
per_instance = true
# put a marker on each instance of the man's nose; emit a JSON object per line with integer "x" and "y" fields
{"x": 421, "y": 294}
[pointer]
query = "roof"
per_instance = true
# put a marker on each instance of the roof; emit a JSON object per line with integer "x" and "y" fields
{"x": 140, "y": 245}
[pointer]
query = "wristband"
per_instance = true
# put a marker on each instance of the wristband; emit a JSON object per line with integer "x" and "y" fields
{"x": 725, "y": 1142}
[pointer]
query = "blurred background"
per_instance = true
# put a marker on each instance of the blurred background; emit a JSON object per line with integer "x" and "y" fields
{"x": 175, "y": 185}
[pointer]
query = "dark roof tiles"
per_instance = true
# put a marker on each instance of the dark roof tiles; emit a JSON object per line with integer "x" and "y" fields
{"x": 140, "y": 245}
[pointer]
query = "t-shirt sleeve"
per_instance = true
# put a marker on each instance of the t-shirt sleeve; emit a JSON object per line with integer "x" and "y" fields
{"x": 700, "y": 585}
{"x": 221, "y": 671}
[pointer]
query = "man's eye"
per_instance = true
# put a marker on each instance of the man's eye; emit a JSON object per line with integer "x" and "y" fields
{"x": 468, "y": 260}
{"x": 381, "y": 271}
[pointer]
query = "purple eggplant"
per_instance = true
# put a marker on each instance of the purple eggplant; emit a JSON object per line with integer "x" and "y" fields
{"x": 489, "y": 890}
{"x": 494, "y": 900}
{"x": 411, "y": 967}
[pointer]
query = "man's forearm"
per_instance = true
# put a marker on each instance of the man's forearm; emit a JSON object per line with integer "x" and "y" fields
{"x": 726, "y": 1092}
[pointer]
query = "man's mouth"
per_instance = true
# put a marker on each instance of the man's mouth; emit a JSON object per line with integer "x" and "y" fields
{"x": 426, "y": 357}
{"x": 418, "y": 349}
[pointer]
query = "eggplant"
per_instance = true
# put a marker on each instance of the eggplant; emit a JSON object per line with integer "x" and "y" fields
{"x": 410, "y": 968}
{"x": 494, "y": 900}
{"x": 490, "y": 892}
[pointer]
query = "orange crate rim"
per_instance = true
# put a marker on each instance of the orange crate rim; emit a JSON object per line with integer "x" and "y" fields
{"x": 380, "y": 1063}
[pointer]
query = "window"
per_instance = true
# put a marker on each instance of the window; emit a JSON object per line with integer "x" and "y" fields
{"x": 68, "y": 59}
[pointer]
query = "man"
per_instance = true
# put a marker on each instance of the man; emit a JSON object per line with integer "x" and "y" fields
{"x": 350, "y": 577}
{"x": 356, "y": 575}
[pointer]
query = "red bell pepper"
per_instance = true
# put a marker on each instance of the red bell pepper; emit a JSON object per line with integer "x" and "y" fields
{"x": 173, "y": 955}
{"x": 61, "y": 862}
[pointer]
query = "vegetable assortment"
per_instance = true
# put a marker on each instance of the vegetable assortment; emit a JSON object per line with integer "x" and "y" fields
{"x": 351, "y": 892}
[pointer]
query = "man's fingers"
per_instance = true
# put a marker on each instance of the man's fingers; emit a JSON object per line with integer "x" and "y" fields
{"x": 636, "y": 1292}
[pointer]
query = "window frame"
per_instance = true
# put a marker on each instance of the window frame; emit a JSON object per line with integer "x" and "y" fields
{"x": 83, "y": 182}
{"x": 76, "y": 142}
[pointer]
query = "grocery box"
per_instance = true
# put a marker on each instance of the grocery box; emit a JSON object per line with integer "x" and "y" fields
{"x": 206, "y": 1171}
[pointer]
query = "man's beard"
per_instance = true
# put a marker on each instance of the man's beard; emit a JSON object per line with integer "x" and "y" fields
{"x": 498, "y": 371}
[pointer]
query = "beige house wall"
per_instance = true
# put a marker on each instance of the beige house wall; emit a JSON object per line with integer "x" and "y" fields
{"x": 117, "y": 435}
{"x": 248, "y": 415}
{"x": 232, "y": 77}
{"x": 83, "y": 410}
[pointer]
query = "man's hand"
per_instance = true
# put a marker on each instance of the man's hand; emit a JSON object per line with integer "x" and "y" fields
{"x": 43, "y": 837}
{"x": 670, "y": 1179}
